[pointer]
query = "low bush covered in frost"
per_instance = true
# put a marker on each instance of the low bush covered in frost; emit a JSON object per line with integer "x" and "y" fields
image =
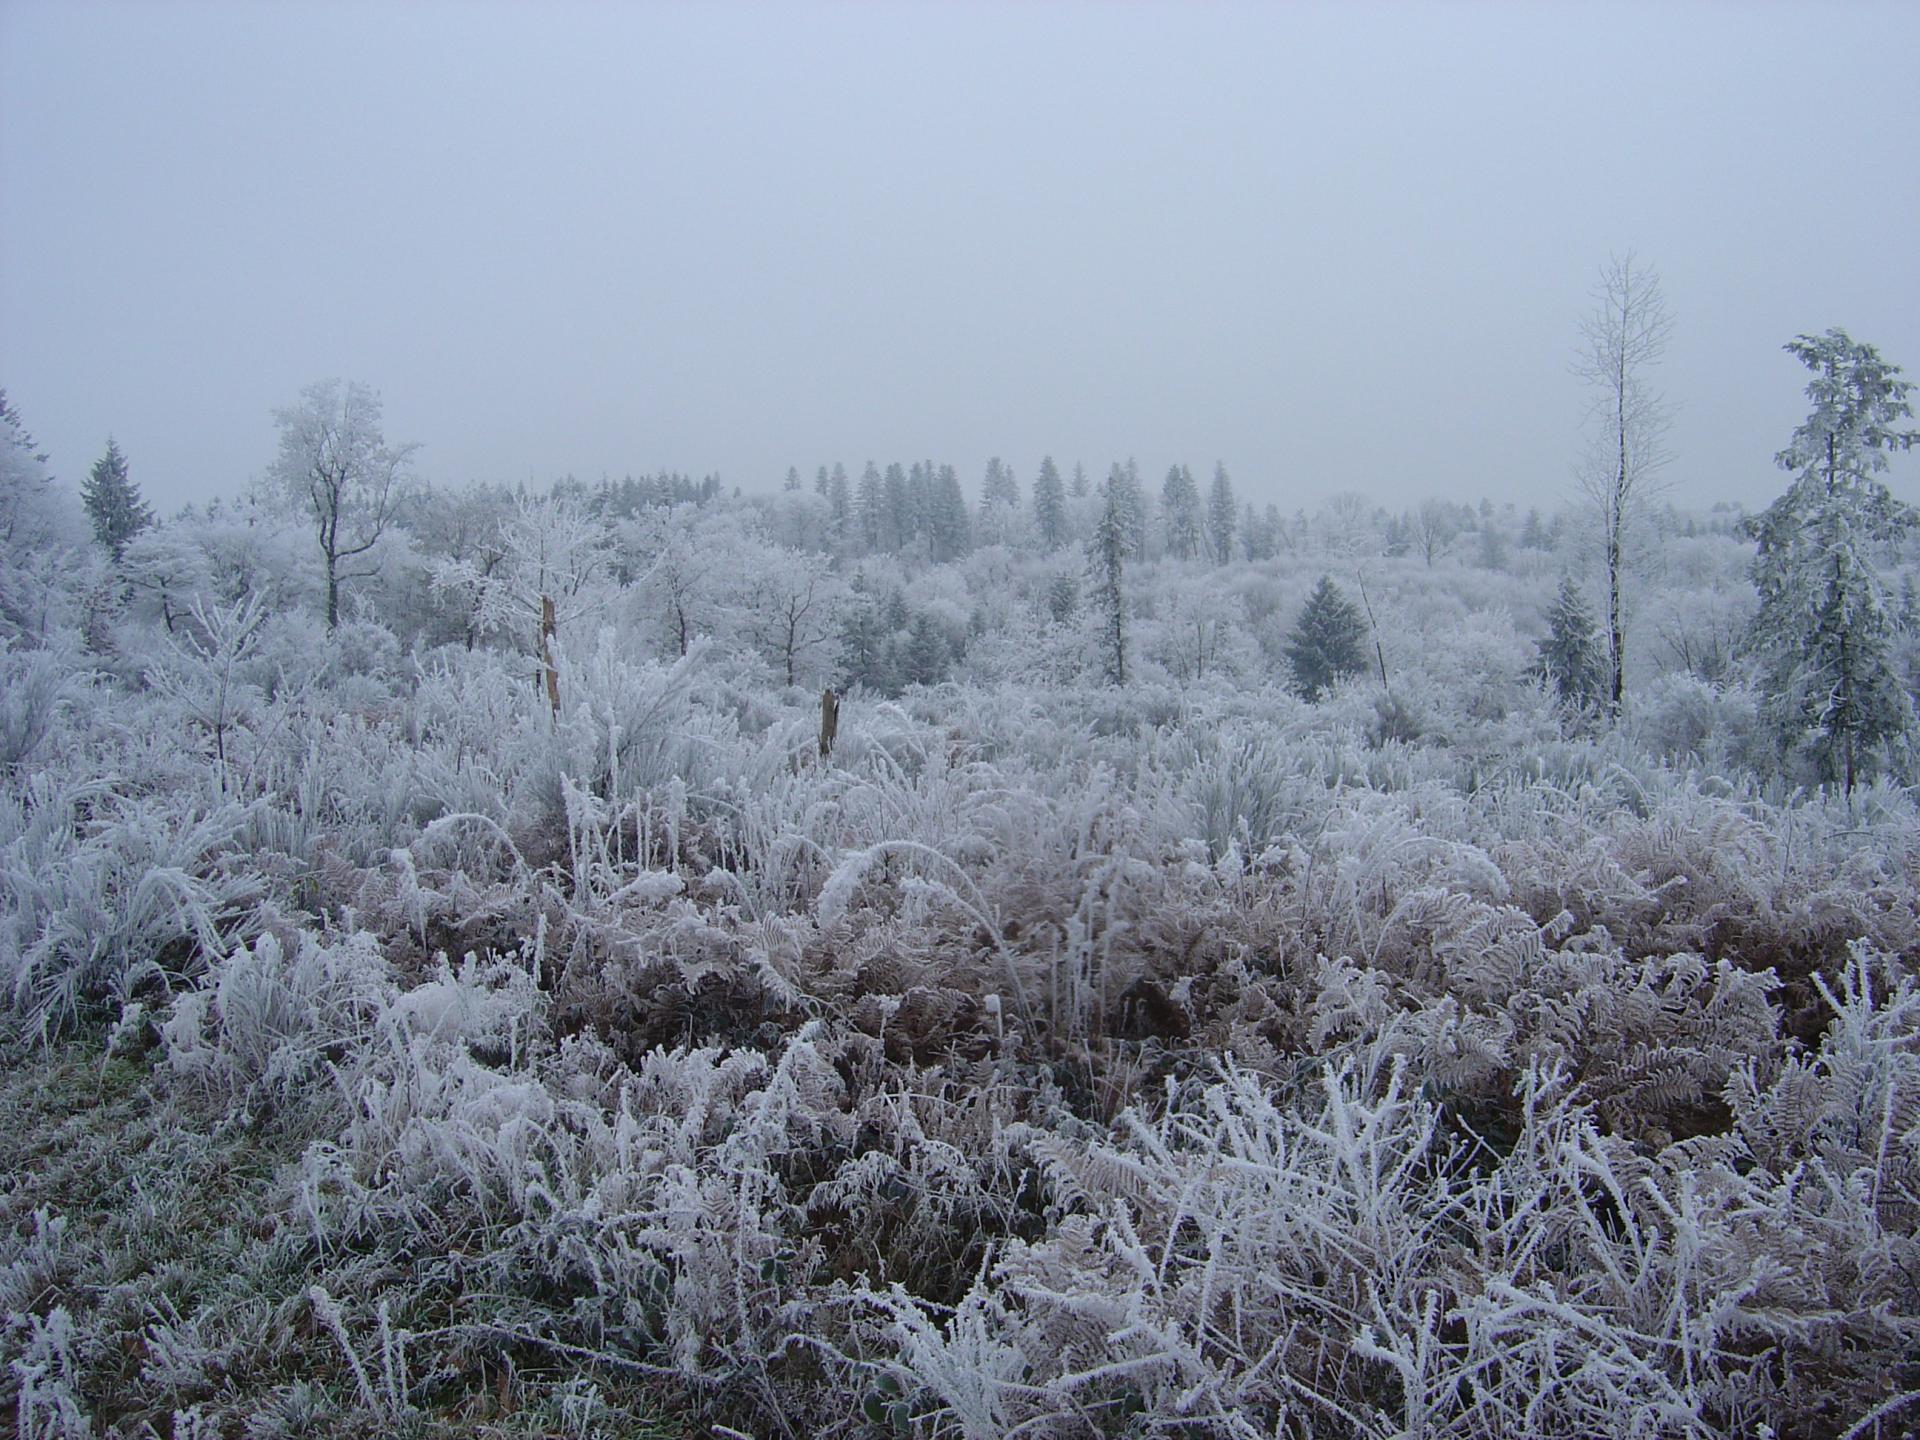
{"x": 391, "y": 1054}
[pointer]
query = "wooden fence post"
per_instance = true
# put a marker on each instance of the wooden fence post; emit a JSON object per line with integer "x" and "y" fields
{"x": 548, "y": 625}
{"x": 829, "y": 721}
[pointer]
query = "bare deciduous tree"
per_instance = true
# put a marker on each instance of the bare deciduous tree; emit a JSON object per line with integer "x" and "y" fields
{"x": 1436, "y": 525}
{"x": 792, "y": 600}
{"x": 338, "y": 467}
{"x": 1622, "y": 338}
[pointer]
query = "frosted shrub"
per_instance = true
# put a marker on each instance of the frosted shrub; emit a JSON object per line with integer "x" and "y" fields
{"x": 203, "y": 675}
{"x": 1240, "y": 789}
{"x": 1854, "y": 1105}
{"x": 667, "y": 1207}
{"x": 631, "y": 727}
{"x": 1689, "y": 721}
{"x": 1302, "y": 1227}
{"x": 363, "y": 649}
{"x": 1377, "y": 1283}
{"x": 49, "y": 1406}
{"x": 1139, "y": 710}
{"x": 103, "y": 895}
{"x": 268, "y": 1021}
{"x": 41, "y": 1260}
{"x": 35, "y": 685}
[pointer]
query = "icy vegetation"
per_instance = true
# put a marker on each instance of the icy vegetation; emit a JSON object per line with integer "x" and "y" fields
{"x": 455, "y": 1023}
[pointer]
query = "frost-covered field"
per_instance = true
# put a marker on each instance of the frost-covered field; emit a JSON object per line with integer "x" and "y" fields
{"x": 394, "y": 1051}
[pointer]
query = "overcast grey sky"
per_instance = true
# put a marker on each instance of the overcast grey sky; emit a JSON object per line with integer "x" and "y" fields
{"x": 1341, "y": 247}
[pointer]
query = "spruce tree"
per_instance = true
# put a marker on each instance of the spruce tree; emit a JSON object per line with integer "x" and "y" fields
{"x": 1180, "y": 513}
{"x": 840, "y": 521}
{"x": 999, "y": 487}
{"x": 1222, "y": 514}
{"x": 896, "y": 614}
{"x": 863, "y": 659}
{"x": 920, "y": 507}
{"x": 1571, "y": 658}
{"x": 13, "y": 433}
{"x": 925, "y": 657}
{"x": 1824, "y": 629}
{"x": 1050, "y": 505}
{"x": 1328, "y": 642}
{"x": 896, "y": 510}
{"x": 1250, "y": 534}
{"x": 32, "y": 530}
{"x": 1108, "y": 552}
{"x": 1130, "y": 508}
{"x": 869, "y": 509}
{"x": 999, "y": 505}
{"x": 950, "y": 525}
{"x": 1063, "y": 598}
{"x": 113, "y": 501}
{"x": 1533, "y": 534}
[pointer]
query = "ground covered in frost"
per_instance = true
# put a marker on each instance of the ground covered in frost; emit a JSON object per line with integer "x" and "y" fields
{"x": 392, "y": 1050}
{"x": 1038, "y": 1064}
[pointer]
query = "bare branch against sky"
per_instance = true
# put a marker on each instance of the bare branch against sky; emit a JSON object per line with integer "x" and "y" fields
{"x": 1341, "y": 247}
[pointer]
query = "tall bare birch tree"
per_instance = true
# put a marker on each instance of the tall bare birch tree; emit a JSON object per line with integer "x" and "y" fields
{"x": 337, "y": 466}
{"x": 1622, "y": 339}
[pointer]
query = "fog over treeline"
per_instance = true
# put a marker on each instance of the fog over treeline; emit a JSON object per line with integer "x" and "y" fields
{"x": 1342, "y": 247}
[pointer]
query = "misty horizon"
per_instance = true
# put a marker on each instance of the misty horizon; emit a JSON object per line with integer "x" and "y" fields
{"x": 1339, "y": 249}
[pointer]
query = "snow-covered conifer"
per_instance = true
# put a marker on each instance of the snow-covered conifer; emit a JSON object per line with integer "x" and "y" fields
{"x": 1826, "y": 619}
